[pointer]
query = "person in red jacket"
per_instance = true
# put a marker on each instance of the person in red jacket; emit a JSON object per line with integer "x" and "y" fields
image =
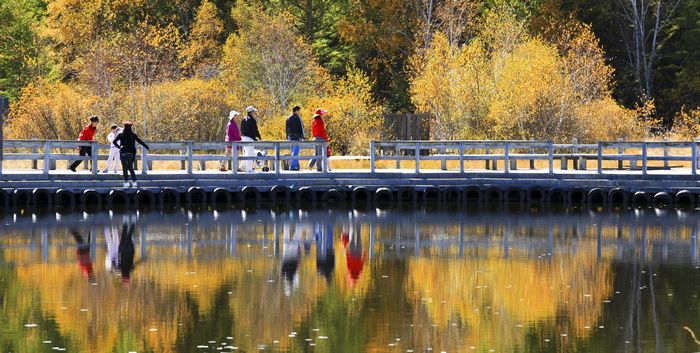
{"x": 87, "y": 134}
{"x": 318, "y": 131}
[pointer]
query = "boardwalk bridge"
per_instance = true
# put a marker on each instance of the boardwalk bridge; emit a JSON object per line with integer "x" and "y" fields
{"x": 619, "y": 173}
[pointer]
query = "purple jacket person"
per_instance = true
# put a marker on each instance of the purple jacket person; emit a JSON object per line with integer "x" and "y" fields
{"x": 232, "y": 135}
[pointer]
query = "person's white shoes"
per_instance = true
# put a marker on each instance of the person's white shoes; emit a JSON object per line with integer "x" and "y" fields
{"x": 127, "y": 184}
{"x": 134, "y": 184}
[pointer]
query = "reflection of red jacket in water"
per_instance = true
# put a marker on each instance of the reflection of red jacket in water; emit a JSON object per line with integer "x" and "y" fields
{"x": 354, "y": 257}
{"x": 84, "y": 261}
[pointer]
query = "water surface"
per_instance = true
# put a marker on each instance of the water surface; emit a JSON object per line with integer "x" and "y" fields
{"x": 349, "y": 281}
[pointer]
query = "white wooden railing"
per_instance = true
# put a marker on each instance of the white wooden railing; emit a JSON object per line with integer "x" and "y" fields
{"x": 194, "y": 155}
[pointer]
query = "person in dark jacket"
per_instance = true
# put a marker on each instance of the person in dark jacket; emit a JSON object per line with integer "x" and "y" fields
{"x": 87, "y": 134}
{"x": 295, "y": 132}
{"x": 126, "y": 142}
{"x": 249, "y": 133}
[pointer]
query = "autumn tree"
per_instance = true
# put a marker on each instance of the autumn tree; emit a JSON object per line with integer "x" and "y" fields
{"x": 22, "y": 55}
{"x": 267, "y": 57}
{"x": 202, "y": 54}
{"x": 381, "y": 34}
{"x": 506, "y": 84}
{"x": 350, "y": 103}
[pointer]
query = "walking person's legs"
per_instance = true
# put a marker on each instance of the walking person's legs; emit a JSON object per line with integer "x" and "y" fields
{"x": 88, "y": 152}
{"x": 294, "y": 163}
{"x": 82, "y": 151}
{"x": 117, "y": 160}
{"x": 248, "y": 151}
{"x": 318, "y": 161}
{"x": 126, "y": 162}
{"x": 222, "y": 165}
{"x": 111, "y": 160}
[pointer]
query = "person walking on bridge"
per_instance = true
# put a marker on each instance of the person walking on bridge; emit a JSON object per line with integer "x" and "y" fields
{"x": 318, "y": 130}
{"x": 87, "y": 134}
{"x": 126, "y": 142}
{"x": 249, "y": 133}
{"x": 113, "y": 158}
{"x": 295, "y": 132}
{"x": 232, "y": 135}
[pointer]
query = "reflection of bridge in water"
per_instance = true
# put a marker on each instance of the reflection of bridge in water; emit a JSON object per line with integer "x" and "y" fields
{"x": 660, "y": 236}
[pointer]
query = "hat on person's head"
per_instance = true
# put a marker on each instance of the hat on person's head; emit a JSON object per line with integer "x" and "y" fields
{"x": 233, "y": 114}
{"x": 114, "y": 126}
{"x": 94, "y": 119}
{"x": 320, "y": 112}
{"x": 250, "y": 109}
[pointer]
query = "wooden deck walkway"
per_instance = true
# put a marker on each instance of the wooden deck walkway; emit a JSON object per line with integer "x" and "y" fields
{"x": 516, "y": 169}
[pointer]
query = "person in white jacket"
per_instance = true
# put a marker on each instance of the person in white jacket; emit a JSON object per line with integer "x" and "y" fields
{"x": 113, "y": 150}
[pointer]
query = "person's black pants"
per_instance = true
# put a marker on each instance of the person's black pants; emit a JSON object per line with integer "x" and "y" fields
{"x": 83, "y": 151}
{"x": 128, "y": 166}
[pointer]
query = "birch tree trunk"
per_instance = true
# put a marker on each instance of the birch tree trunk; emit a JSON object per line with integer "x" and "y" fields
{"x": 644, "y": 28}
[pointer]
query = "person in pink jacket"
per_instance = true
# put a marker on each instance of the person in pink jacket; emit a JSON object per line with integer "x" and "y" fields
{"x": 232, "y": 135}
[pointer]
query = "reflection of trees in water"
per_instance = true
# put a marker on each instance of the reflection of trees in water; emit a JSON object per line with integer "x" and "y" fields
{"x": 484, "y": 299}
{"x": 389, "y": 294}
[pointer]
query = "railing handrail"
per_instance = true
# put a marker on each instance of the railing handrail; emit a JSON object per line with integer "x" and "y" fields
{"x": 491, "y": 152}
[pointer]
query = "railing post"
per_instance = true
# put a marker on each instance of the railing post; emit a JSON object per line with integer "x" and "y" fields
{"x": 144, "y": 160}
{"x": 189, "y": 157}
{"x": 574, "y": 159}
{"x": 47, "y": 156}
{"x": 644, "y": 158}
{"x": 461, "y": 157}
{"x": 277, "y": 157}
{"x": 665, "y": 155}
{"x": 397, "y": 152}
{"x": 619, "y": 152}
{"x": 551, "y": 157}
{"x": 371, "y": 157}
{"x": 234, "y": 157}
{"x": 694, "y": 157}
{"x": 325, "y": 157}
{"x": 487, "y": 151}
{"x": 506, "y": 158}
{"x": 600, "y": 158}
{"x": 417, "y": 157}
{"x": 94, "y": 157}
{"x": 443, "y": 162}
{"x": 35, "y": 164}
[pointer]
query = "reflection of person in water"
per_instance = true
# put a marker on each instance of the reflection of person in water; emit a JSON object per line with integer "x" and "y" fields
{"x": 325, "y": 256}
{"x": 352, "y": 241}
{"x": 291, "y": 255}
{"x": 82, "y": 254}
{"x": 112, "y": 241}
{"x": 126, "y": 252}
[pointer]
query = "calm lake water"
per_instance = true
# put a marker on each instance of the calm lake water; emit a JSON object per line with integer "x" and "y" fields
{"x": 349, "y": 281}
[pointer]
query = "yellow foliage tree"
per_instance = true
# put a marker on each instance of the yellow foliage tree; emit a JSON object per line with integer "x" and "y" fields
{"x": 51, "y": 110}
{"x": 267, "y": 59}
{"x": 686, "y": 125}
{"x": 203, "y": 52}
{"x": 506, "y": 84}
{"x": 354, "y": 117}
